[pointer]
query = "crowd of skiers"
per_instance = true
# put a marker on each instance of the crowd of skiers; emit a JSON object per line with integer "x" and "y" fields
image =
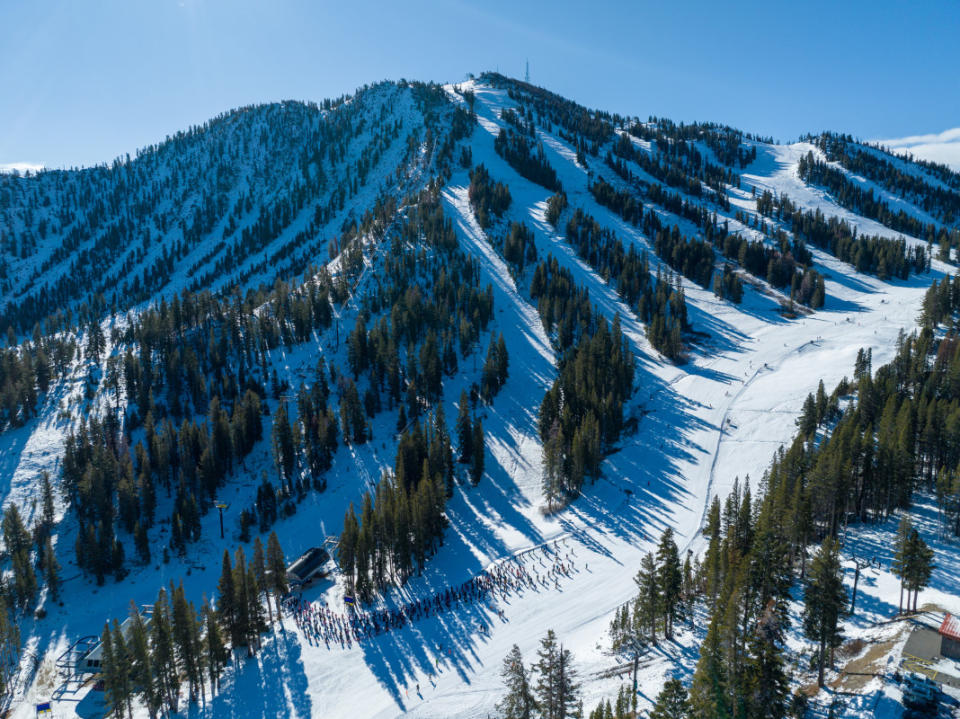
{"x": 539, "y": 568}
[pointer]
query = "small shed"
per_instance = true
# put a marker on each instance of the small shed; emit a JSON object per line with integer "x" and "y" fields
{"x": 950, "y": 637}
{"x": 309, "y": 566}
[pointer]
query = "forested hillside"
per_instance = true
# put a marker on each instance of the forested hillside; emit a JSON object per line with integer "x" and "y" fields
{"x": 436, "y": 330}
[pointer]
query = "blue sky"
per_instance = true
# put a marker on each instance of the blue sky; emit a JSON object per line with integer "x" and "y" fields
{"x": 84, "y": 82}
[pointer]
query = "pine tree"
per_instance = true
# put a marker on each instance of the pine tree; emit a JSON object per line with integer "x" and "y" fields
{"x": 357, "y": 347}
{"x": 557, "y": 691}
{"x": 347, "y": 547}
{"x": 819, "y": 294}
{"x": 254, "y": 608}
{"x": 24, "y": 578}
{"x": 825, "y": 602}
{"x": 365, "y": 546}
{"x": 648, "y": 604}
{"x": 277, "y": 568}
{"x": 708, "y": 690}
{"x": 503, "y": 361}
{"x": 712, "y": 561}
{"x": 17, "y": 540}
{"x": 260, "y": 572}
{"x": 96, "y": 342}
{"x": 567, "y": 688}
{"x": 518, "y": 703}
{"x": 51, "y": 570}
{"x": 807, "y": 421}
{"x": 488, "y": 376}
{"x": 122, "y": 656}
{"x": 768, "y": 576}
{"x": 352, "y": 417}
{"x": 477, "y": 448}
{"x": 284, "y": 452}
{"x": 602, "y": 711}
{"x": 626, "y": 700}
{"x": 920, "y": 565}
{"x": 186, "y": 634}
{"x": 464, "y": 429}
{"x": 440, "y": 453}
{"x": 142, "y": 672}
{"x": 9, "y": 645}
{"x": 227, "y": 610}
{"x": 216, "y": 654}
{"x": 546, "y": 669}
{"x": 901, "y": 556}
{"x": 767, "y": 684}
{"x": 221, "y": 442}
{"x": 431, "y": 368}
{"x": 669, "y": 580}
{"x": 553, "y": 466}
{"x": 821, "y": 403}
{"x": 142, "y": 543}
{"x": 627, "y": 636}
{"x": 46, "y": 494}
{"x": 241, "y": 600}
{"x": 691, "y": 569}
{"x": 733, "y": 631}
{"x": 110, "y": 672}
{"x": 672, "y": 702}
{"x": 163, "y": 654}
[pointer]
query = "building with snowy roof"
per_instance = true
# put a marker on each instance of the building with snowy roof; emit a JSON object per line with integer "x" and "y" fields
{"x": 92, "y": 662}
{"x": 309, "y": 566}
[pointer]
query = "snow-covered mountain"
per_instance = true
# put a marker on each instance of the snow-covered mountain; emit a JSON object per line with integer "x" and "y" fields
{"x": 345, "y": 267}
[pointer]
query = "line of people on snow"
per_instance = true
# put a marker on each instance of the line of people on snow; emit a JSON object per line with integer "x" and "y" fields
{"x": 320, "y": 623}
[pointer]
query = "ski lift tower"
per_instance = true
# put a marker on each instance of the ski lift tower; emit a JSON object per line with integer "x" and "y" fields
{"x": 222, "y": 506}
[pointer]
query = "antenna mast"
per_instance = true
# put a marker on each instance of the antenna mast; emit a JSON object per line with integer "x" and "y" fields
{"x": 526, "y": 74}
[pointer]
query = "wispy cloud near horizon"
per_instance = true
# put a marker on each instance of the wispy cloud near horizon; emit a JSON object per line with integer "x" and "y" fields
{"x": 942, "y": 147}
{"x": 20, "y": 167}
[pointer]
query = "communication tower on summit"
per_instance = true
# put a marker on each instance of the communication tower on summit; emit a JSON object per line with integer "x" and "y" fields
{"x": 526, "y": 74}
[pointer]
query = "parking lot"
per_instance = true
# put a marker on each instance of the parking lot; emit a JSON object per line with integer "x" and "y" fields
{"x": 921, "y": 654}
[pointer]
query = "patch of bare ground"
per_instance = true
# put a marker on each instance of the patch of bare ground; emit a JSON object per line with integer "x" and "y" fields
{"x": 865, "y": 665}
{"x": 859, "y": 670}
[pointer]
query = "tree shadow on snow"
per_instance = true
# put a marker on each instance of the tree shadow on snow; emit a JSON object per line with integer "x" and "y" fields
{"x": 641, "y": 481}
{"x": 722, "y": 336}
{"x": 272, "y": 684}
{"x": 400, "y": 657}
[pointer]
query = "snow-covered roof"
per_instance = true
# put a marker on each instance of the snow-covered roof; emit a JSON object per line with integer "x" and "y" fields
{"x": 951, "y": 627}
{"x": 308, "y": 564}
{"x": 95, "y": 656}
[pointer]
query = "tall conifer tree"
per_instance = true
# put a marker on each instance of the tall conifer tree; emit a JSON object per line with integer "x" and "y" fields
{"x": 825, "y": 601}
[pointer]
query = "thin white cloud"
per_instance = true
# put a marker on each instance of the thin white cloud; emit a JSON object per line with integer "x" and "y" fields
{"x": 20, "y": 167}
{"x": 942, "y": 147}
